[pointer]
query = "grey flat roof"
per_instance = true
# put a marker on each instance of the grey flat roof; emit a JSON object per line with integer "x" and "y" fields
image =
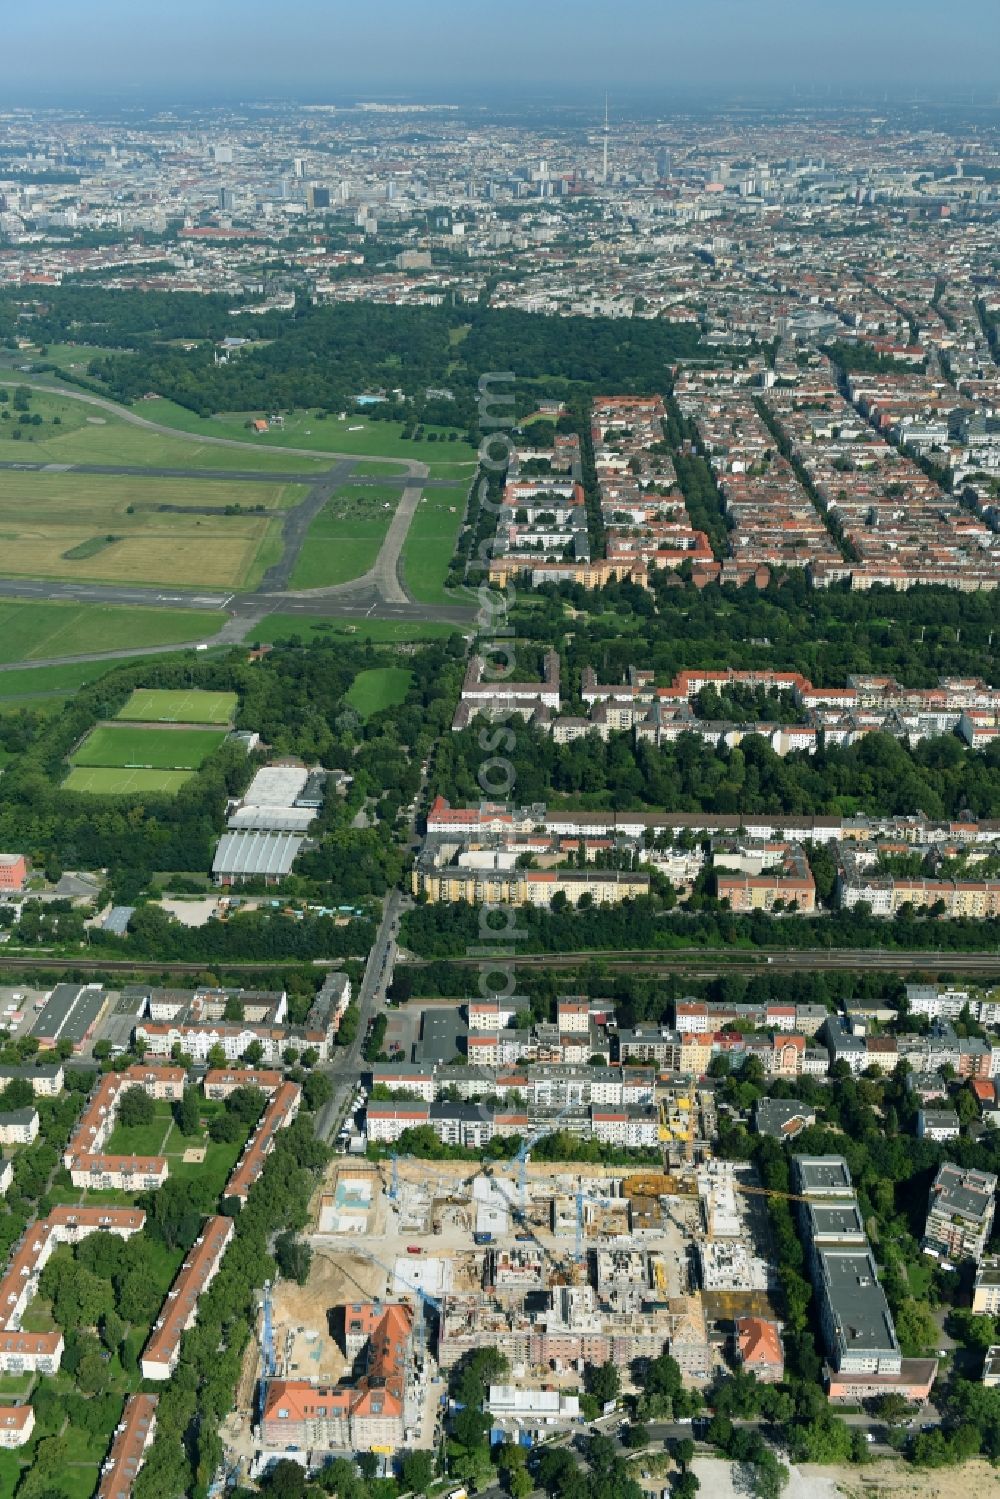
{"x": 835, "y": 1219}
{"x": 276, "y": 786}
{"x": 857, "y": 1301}
{"x": 85, "y": 1012}
{"x": 822, "y": 1174}
{"x": 965, "y": 1194}
{"x": 69, "y": 1013}
{"x": 442, "y": 1033}
{"x": 256, "y": 853}
{"x": 773, "y": 1114}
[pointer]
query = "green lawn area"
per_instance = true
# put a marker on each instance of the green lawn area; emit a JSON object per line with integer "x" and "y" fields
{"x": 153, "y": 706}
{"x": 307, "y": 628}
{"x": 46, "y": 703}
{"x": 344, "y": 539}
{"x": 88, "y": 1447}
{"x": 919, "y": 1274}
{"x": 379, "y": 687}
{"x": 464, "y": 469}
{"x": 31, "y": 632}
{"x": 10, "y": 1473}
{"x": 148, "y": 749}
{"x": 183, "y": 532}
{"x": 430, "y": 544}
{"x": 216, "y": 1167}
{"x": 142, "y": 1139}
{"x": 75, "y": 357}
{"x": 304, "y": 429}
{"x": 38, "y": 1315}
{"x": 90, "y": 434}
{"x": 17, "y": 1385}
{"x": 77, "y": 1481}
{"x": 103, "y": 781}
{"x": 375, "y": 468}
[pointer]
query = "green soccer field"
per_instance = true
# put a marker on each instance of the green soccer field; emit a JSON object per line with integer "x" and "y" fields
{"x": 151, "y": 705}
{"x": 147, "y": 749}
{"x": 107, "y": 781}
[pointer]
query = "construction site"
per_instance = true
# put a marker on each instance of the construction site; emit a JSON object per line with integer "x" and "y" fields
{"x": 554, "y": 1266}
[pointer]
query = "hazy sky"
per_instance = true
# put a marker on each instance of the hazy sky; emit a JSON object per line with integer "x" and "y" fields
{"x": 324, "y": 49}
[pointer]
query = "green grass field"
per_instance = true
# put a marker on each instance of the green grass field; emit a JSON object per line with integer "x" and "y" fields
{"x": 304, "y": 429}
{"x": 344, "y": 539}
{"x": 147, "y": 749}
{"x": 307, "y": 628}
{"x": 10, "y": 1474}
{"x": 379, "y": 687}
{"x": 33, "y": 632}
{"x": 376, "y": 468}
{"x": 91, "y": 434}
{"x": 430, "y": 544}
{"x": 104, "y": 781}
{"x": 174, "y": 532}
{"x": 47, "y": 703}
{"x": 35, "y": 681}
{"x": 143, "y": 1139}
{"x": 149, "y": 705}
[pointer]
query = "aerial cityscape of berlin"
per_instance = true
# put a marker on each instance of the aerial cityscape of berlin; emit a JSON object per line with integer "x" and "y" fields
{"x": 500, "y": 750}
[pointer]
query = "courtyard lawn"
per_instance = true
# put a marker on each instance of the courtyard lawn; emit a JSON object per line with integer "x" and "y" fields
{"x": 430, "y": 544}
{"x": 76, "y": 431}
{"x": 153, "y": 706}
{"x": 147, "y": 749}
{"x": 214, "y": 1170}
{"x": 143, "y": 1139}
{"x": 37, "y": 632}
{"x": 379, "y": 687}
{"x": 344, "y": 539}
{"x": 103, "y": 780}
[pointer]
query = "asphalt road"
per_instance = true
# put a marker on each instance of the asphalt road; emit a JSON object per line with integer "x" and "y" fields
{"x": 346, "y": 1068}
{"x": 110, "y": 470}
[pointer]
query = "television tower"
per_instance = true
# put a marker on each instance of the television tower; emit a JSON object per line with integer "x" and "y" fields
{"x": 604, "y": 167}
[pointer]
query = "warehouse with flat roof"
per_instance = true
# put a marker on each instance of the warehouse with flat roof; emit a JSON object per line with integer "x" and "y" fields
{"x": 71, "y": 1013}
{"x": 244, "y": 856}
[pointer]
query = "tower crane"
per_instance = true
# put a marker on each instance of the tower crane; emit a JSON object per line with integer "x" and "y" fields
{"x": 521, "y": 1159}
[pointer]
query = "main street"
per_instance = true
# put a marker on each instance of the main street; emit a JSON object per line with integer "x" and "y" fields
{"x": 348, "y": 1064}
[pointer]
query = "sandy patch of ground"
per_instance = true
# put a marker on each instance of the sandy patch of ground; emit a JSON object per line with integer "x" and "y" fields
{"x": 882, "y": 1479}
{"x": 724, "y": 1480}
{"x": 194, "y": 1155}
{"x": 304, "y": 1319}
{"x": 895, "y": 1480}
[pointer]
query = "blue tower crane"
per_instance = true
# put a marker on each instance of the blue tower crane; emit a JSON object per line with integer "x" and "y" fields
{"x": 527, "y": 1147}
